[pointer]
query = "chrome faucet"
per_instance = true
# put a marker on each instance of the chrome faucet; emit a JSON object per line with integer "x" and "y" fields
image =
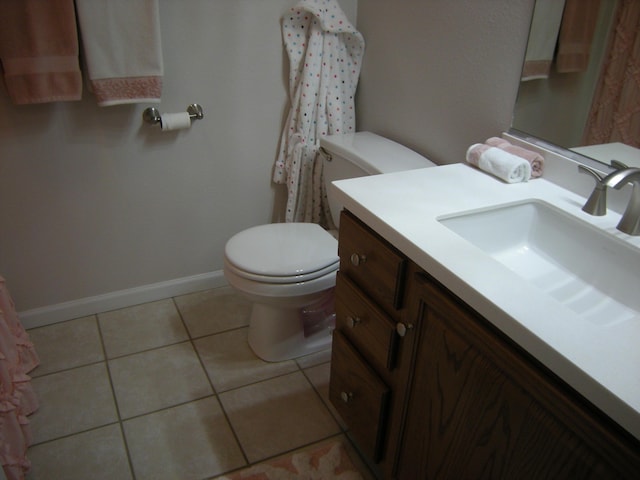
{"x": 597, "y": 202}
{"x": 630, "y": 221}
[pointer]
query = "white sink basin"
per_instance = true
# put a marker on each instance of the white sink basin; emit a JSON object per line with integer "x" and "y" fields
{"x": 586, "y": 269}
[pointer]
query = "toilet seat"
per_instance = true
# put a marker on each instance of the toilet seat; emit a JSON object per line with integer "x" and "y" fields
{"x": 282, "y": 253}
{"x": 281, "y": 279}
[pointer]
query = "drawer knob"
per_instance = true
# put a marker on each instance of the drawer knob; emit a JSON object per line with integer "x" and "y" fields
{"x": 357, "y": 259}
{"x": 346, "y": 396}
{"x": 402, "y": 328}
{"x": 353, "y": 321}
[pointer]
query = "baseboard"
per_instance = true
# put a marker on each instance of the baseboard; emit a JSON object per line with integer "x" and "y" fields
{"x": 61, "y": 312}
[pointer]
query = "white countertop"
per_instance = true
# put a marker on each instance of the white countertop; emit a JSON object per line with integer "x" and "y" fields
{"x": 600, "y": 362}
{"x": 605, "y": 152}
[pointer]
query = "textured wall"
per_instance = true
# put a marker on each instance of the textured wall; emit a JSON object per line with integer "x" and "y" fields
{"x": 93, "y": 201}
{"x": 439, "y": 75}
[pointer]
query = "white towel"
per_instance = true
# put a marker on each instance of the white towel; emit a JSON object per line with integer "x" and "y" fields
{"x": 122, "y": 48}
{"x": 504, "y": 165}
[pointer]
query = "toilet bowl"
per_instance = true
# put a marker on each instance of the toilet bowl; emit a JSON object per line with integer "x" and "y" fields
{"x": 288, "y": 270}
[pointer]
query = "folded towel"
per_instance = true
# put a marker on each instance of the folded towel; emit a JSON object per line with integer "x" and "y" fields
{"x": 543, "y": 36}
{"x": 535, "y": 159}
{"x": 508, "y": 167}
{"x": 39, "y": 51}
{"x": 122, "y": 48}
{"x": 579, "y": 21}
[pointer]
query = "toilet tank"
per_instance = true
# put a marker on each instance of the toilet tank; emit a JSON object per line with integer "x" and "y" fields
{"x": 361, "y": 154}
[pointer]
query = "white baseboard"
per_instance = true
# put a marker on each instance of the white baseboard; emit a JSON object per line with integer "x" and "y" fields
{"x": 61, "y": 312}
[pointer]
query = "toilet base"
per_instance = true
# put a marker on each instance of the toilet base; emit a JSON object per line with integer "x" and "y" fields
{"x": 277, "y": 334}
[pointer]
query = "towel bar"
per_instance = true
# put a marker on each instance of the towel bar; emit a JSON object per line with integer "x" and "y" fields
{"x": 152, "y": 116}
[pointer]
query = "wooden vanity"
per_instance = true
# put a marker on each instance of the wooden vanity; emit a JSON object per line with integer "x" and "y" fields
{"x": 430, "y": 389}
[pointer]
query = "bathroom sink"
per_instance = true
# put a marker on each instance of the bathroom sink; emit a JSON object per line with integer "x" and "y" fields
{"x": 586, "y": 269}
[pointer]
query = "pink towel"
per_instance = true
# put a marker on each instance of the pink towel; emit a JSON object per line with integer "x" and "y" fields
{"x": 535, "y": 159}
{"x": 39, "y": 51}
{"x": 121, "y": 40}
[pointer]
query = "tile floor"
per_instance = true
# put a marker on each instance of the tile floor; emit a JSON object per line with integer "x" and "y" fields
{"x": 170, "y": 390}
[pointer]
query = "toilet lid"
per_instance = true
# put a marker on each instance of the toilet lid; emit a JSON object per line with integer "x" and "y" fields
{"x": 282, "y": 249}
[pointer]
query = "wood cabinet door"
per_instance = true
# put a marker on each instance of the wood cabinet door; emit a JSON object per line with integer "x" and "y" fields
{"x": 477, "y": 410}
{"x": 359, "y": 396}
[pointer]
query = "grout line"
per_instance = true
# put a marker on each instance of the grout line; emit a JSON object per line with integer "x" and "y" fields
{"x": 106, "y": 361}
{"x": 338, "y": 421}
{"x": 115, "y": 401}
{"x": 68, "y": 369}
{"x": 69, "y": 435}
{"x": 213, "y": 388}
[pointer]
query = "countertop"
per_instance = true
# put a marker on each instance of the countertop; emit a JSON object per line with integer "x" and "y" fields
{"x": 600, "y": 362}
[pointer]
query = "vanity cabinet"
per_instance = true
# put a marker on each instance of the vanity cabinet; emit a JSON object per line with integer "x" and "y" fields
{"x": 449, "y": 396}
{"x": 372, "y": 349}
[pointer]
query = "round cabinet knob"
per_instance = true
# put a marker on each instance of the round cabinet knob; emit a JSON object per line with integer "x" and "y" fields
{"x": 353, "y": 321}
{"x": 402, "y": 329}
{"x": 346, "y": 396}
{"x": 357, "y": 259}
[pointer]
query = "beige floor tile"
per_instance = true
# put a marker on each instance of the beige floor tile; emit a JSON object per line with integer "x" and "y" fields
{"x": 98, "y": 454}
{"x": 277, "y": 415}
{"x": 313, "y": 359}
{"x": 67, "y": 345}
{"x": 157, "y": 379}
{"x": 319, "y": 377}
{"x": 191, "y": 441}
{"x": 141, "y": 327}
{"x": 72, "y": 401}
{"x": 230, "y": 362}
{"x": 213, "y": 311}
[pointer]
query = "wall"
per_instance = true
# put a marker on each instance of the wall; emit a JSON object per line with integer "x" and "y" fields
{"x": 93, "y": 201}
{"x": 440, "y": 75}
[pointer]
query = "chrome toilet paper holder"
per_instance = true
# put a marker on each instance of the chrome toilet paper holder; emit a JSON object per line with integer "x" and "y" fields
{"x": 152, "y": 115}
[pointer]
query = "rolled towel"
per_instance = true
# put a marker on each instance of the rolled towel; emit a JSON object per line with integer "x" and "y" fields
{"x": 504, "y": 165}
{"x": 535, "y": 159}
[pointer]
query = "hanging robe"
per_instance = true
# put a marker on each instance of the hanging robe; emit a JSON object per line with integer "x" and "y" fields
{"x": 325, "y": 53}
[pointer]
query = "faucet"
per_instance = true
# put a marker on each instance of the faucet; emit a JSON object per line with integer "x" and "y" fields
{"x": 596, "y": 204}
{"x": 630, "y": 221}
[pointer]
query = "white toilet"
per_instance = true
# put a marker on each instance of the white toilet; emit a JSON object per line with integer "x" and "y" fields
{"x": 288, "y": 270}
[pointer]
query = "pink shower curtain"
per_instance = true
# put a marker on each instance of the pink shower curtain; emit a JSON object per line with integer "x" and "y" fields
{"x": 615, "y": 111}
{"x": 17, "y": 398}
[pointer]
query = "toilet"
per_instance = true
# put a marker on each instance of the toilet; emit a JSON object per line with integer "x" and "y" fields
{"x": 288, "y": 270}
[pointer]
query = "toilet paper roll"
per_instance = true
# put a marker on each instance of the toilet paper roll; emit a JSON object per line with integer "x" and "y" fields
{"x": 175, "y": 121}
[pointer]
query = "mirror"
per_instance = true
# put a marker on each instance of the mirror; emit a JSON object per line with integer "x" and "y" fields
{"x": 555, "y": 108}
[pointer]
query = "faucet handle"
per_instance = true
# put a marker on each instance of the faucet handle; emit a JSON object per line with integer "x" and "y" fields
{"x": 596, "y": 204}
{"x": 618, "y": 165}
{"x": 594, "y": 173}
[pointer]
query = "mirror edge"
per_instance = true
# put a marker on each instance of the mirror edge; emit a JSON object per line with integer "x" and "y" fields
{"x": 560, "y": 151}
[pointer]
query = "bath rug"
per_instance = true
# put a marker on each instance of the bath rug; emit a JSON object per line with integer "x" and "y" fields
{"x": 326, "y": 462}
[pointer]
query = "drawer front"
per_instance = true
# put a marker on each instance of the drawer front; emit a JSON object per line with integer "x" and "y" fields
{"x": 369, "y": 329}
{"x": 358, "y": 395}
{"x": 372, "y": 263}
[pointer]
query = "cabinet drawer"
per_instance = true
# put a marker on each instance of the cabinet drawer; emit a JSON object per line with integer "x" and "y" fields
{"x": 358, "y": 395}
{"x": 369, "y": 329}
{"x": 371, "y": 262}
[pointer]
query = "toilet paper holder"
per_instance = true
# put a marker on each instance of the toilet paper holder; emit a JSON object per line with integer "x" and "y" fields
{"x": 152, "y": 116}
